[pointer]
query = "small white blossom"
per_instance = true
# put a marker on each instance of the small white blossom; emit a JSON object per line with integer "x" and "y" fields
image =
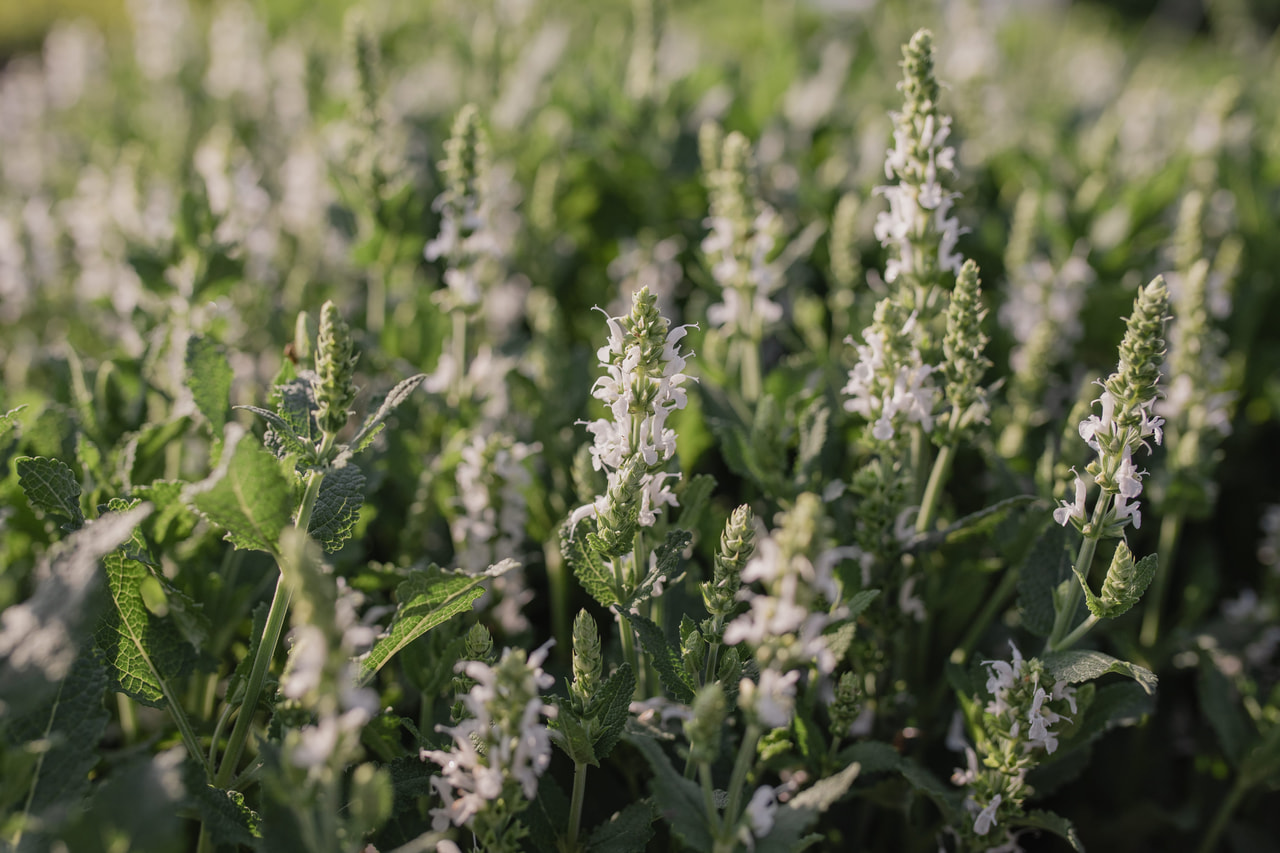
{"x": 987, "y": 817}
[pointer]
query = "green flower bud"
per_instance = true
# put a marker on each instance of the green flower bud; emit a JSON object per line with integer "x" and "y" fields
{"x": 465, "y": 167}
{"x": 737, "y": 544}
{"x": 588, "y": 660}
{"x": 704, "y": 730}
{"x": 479, "y": 643}
{"x": 616, "y": 525}
{"x": 965, "y": 360}
{"x": 335, "y": 368}
{"x": 846, "y": 706}
{"x": 846, "y": 263}
{"x": 1133, "y": 385}
{"x": 366, "y": 56}
{"x": 919, "y": 86}
{"x": 1125, "y": 583}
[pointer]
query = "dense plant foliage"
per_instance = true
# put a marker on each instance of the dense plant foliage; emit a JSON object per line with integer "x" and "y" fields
{"x": 583, "y": 426}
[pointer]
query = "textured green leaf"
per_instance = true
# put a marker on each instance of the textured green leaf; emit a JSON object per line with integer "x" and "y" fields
{"x": 426, "y": 599}
{"x": 813, "y": 438}
{"x": 143, "y": 651}
{"x": 1047, "y": 566}
{"x": 389, "y": 404}
{"x": 1075, "y": 666}
{"x": 570, "y": 734}
{"x": 679, "y": 800}
{"x": 247, "y": 495}
{"x": 89, "y": 458}
{"x": 337, "y": 507}
{"x": 9, "y": 420}
{"x": 209, "y": 376}
{"x": 861, "y": 601}
{"x": 1219, "y": 703}
{"x": 801, "y": 811}
{"x": 40, "y": 638}
{"x": 876, "y": 757}
{"x": 72, "y": 726}
{"x": 666, "y": 563}
{"x": 173, "y": 520}
{"x": 628, "y": 831}
{"x": 664, "y": 657}
{"x": 281, "y": 438}
{"x": 1051, "y": 822}
{"x": 51, "y": 487}
{"x": 224, "y": 814}
{"x": 587, "y": 567}
{"x": 611, "y": 707}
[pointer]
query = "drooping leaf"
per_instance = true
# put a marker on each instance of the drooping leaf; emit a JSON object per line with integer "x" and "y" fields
{"x": 248, "y": 495}
{"x": 1056, "y": 824}
{"x": 800, "y": 812}
{"x": 223, "y": 814}
{"x": 426, "y": 599}
{"x": 1075, "y": 666}
{"x": 209, "y": 376}
{"x": 587, "y": 567}
{"x": 1047, "y": 566}
{"x": 611, "y": 708}
{"x": 51, "y": 487}
{"x": 337, "y": 507}
{"x": 665, "y": 658}
{"x": 144, "y": 652}
{"x": 71, "y": 727}
{"x": 628, "y": 831}
{"x": 679, "y": 800}
{"x": 40, "y": 638}
{"x": 1219, "y": 703}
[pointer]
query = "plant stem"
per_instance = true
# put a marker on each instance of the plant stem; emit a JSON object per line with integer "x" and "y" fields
{"x": 270, "y": 636}
{"x": 1081, "y": 629}
{"x": 1084, "y": 560}
{"x": 1237, "y": 792}
{"x": 1170, "y": 533}
{"x": 575, "y": 805}
{"x": 709, "y": 798}
{"x": 933, "y": 491}
{"x": 746, "y": 756}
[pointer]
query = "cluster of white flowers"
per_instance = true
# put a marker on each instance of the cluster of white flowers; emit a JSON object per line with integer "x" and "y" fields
{"x": 642, "y": 385}
{"x": 918, "y": 218}
{"x": 740, "y": 265}
{"x": 502, "y": 742}
{"x": 1042, "y": 309}
{"x": 891, "y": 386}
{"x": 1008, "y": 682}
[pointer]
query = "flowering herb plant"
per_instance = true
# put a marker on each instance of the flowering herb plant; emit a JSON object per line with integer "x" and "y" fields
{"x": 880, "y": 518}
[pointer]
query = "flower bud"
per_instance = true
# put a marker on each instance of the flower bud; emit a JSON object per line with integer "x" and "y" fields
{"x": 335, "y": 367}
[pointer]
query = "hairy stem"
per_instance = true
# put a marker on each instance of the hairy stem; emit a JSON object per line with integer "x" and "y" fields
{"x": 575, "y": 804}
{"x": 933, "y": 491}
{"x": 1084, "y": 561}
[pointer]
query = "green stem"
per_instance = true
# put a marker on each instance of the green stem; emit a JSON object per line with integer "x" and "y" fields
{"x": 1084, "y": 561}
{"x": 933, "y": 491}
{"x": 1210, "y": 841}
{"x": 709, "y": 798}
{"x": 1074, "y": 637}
{"x": 919, "y": 458}
{"x": 459, "y": 343}
{"x": 575, "y": 805}
{"x": 746, "y": 757}
{"x": 1170, "y": 533}
{"x": 270, "y": 635}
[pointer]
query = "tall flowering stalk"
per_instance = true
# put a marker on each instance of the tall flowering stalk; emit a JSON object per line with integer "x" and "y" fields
{"x": 1126, "y": 421}
{"x": 642, "y": 385}
{"x": 918, "y": 229}
{"x": 491, "y": 773}
{"x": 744, "y": 231}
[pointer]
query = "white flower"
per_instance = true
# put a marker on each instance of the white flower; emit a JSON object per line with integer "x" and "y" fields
{"x": 761, "y": 811}
{"x": 776, "y": 697}
{"x": 1067, "y": 511}
{"x": 1128, "y": 477}
{"x": 987, "y": 817}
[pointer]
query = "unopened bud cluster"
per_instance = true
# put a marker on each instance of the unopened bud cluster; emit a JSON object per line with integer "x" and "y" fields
{"x": 335, "y": 370}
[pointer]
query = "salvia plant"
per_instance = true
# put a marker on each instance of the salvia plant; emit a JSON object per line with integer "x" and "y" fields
{"x": 521, "y": 426}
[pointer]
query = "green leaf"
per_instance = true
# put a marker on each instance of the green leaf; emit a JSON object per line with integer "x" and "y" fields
{"x": 813, "y": 438}
{"x": 9, "y": 420}
{"x": 1219, "y": 702}
{"x": 975, "y": 524}
{"x": 664, "y": 657}
{"x": 860, "y": 602}
{"x": 668, "y": 556}
{"x": 587, "y": 567}
{"x": 281, "y": 438}
{"x": 1075, "y": 666}
{"x": 209, "y": 376}
{"x": 390, "y": 403}
{"x": 1047, "y": 565}
{"x": 628, "y": 831}
{"x": 40, "y": 638}
{"x": 428, "y": 598}
{"x": 611, "y": 707}
{"x": 1261, "y": 763}
{"x": 679, "y": 800}
{"x": 876, "y": 757}
{"x": 801, "y": 811}
{"x": 694, "y": 500}
{"x": 571, "y": 735}
{"x": 223, "y": 813}
{"x": 144, "y": 652}
{"x": 337, "y": 507}
{"x": 247, "y": 495}
{"x": 173, "y": 520}
{"x": 71, "y": 726}
{"x": 51, "y": 487}
{"x": 1051, "y": 822}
